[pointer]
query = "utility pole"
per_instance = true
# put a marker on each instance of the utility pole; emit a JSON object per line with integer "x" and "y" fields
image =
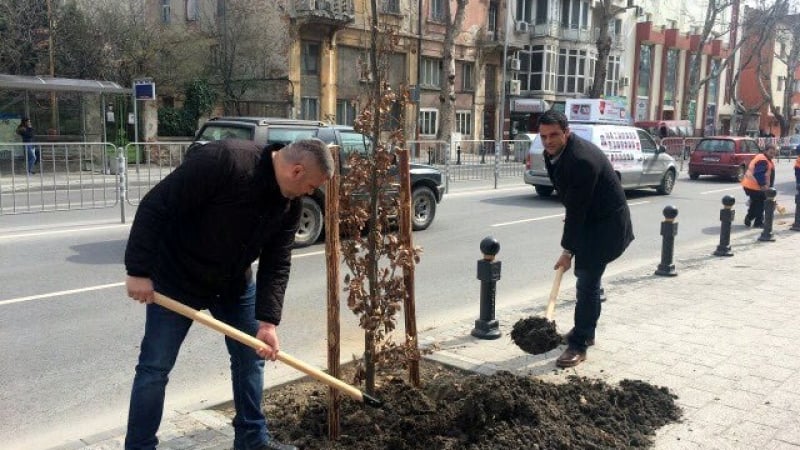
{"x": 498, "y": 146}
{"x": 53, "y": 99}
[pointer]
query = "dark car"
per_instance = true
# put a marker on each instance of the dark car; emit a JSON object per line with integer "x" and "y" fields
{"x": 724, "y": 156}
{"x": 427, "y": 188}
{"x": 789, "y": 145}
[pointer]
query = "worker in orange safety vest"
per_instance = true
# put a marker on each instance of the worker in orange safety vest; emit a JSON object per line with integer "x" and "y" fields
{"x": 759, "y": 177}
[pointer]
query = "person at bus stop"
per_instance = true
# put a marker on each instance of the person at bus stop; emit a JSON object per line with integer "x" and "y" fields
{"x": 194, "y": 238}
{"x": 25, "y": 130}
{"x": 597, "y": 226}
{"x": 759, "y": 177}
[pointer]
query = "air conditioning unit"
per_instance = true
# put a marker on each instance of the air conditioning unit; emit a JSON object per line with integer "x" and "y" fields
{"x": 521, "y": 27}
{"x": 514, "y": 64}
{"x": 513, "y": 87}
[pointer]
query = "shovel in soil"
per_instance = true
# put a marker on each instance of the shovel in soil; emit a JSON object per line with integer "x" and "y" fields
{"x": 538, "y": 335}
{"x": 257, "y": 344}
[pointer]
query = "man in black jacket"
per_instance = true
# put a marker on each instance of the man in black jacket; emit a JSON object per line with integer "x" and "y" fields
{"x": 597, "y": 227}
{"x": 194, "y": 238}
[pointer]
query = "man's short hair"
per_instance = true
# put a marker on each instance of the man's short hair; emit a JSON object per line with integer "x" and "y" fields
{"x": 314, "y": 148}
{"x": 553, "y": 117}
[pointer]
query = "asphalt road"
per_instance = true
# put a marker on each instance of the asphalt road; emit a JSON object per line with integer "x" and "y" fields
{"x": 69, "y": 336}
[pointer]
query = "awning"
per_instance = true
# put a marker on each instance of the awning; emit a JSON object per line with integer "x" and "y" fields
{"x": 36, "y": 83}
{"x": 529, "y": 105}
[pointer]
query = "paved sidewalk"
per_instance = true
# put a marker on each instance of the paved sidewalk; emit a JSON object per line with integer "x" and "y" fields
{"x": 722, "y": 335}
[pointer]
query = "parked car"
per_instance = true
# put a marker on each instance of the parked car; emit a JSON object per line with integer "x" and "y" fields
{"x": 724, "y": 156}
{"x": 638, "y": 161}
{"x": 427, "y": 187}
{"x": 789, "y": 145}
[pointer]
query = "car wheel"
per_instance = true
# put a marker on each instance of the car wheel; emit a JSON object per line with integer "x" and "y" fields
{"x": 667, "y": 183}
{"x": 544, "y": 191}
{"x": 310, "y": 223}
{"x": 694, "y": 176}
{"x": 423, "y": 208}
{"x": 739, "y": 173}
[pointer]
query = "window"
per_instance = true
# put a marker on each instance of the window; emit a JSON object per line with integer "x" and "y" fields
{"x": 779, "y": 84}
{"x": 393, "y": 119}
{"x": 537, "y": 71}
{"x": 542, "y": 13}
{"x": 165, "y": 11}
{"x": 612, "y": 76}
{"x": 464, "y": 123}
{"x": 671, "y": 77}
{"x": 286, "y": 136}
{"x": 467, "y": 77}
{"x": 355, "y": 142}
{"x": 309, "y": 109}
{"x": 643, "y": 86}
{"x": 345, "y": 112}
{"x": 431, "y": 72}
{"x": 574, "y": 71}
{"x": 713, "y": 82}
{"x": 192, "y": 10}
{"x": 437, "y": 10}
{"x": 310, "y": 58}
{"x": 428, "y": 121}
{"x": 648, "y": 144}
{"x": 391, "y": 6}
{"x": 575, "y": 14}
{"x": 491, "y": 22}
{"x": 524, "y": 11}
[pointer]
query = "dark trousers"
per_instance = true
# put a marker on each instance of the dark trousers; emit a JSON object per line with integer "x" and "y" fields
{"x": 756, "y": 209}
{"x": 587, "y": 308}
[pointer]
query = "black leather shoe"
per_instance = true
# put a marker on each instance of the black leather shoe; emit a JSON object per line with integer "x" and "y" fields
{"x": 747, "y": 220}
{"x": 589, "y": 342}
{"x": 570, "y": 358}
{"x": 275, "y": 445}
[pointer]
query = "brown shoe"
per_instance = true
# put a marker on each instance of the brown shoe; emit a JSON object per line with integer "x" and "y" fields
{"x": 570, "y": 358}
{"x": 589, "y": 342}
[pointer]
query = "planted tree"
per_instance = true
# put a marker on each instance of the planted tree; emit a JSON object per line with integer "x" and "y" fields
{"x": 604, "y": 14}
{"x": 376, "y": 256}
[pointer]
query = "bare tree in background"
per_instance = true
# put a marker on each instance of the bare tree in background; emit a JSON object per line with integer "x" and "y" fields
{"x": 603, "y": 14}
{"x": 23, "y": 37}
{"x": 447, "y": 92}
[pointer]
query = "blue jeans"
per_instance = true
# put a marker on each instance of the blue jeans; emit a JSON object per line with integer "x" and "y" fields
{"x": 588, "y": 306}
{"x": 30, "y": 157}
{"x": 163, "y": 335}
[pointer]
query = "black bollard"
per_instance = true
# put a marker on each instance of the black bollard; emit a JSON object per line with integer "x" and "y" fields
{"x": 769, "y": 215}
{"x": 458, "y": 155}
{"x": 487, "y": 327}
{"x": 669, "y": 229}
{"x": 726, "y": 215}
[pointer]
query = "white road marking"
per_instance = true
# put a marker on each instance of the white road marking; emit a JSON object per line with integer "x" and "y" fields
{"x": 722, "y": 190}
{"x": 554, "y": 216}
{"x": 64, "y": 231}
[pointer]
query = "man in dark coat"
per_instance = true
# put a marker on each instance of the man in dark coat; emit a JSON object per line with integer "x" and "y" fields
{"x": 194, "y": 238}
{"x": 597, "y": 227}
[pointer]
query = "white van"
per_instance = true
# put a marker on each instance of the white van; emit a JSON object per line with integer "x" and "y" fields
{"x": 637, "y": 159}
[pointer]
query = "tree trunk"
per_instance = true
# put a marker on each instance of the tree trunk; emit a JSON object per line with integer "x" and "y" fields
{"x": 603, "y": 49}
{"x": 447, "y": 92}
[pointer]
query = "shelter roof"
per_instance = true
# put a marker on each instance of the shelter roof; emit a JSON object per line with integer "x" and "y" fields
{"x": 41, "y": 83}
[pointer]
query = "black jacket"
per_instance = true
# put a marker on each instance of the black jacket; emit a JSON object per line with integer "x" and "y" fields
{"x": 197, "y": 232}
{"x": 597, "y": 228}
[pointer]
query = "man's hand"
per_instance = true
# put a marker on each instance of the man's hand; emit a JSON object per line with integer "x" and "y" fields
{"x": 565, "y": 261}
{"x": 268, "y": 334}
{"x": 140, "y": 289}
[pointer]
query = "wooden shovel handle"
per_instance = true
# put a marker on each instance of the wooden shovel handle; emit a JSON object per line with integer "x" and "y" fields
{"x": 551, "y": 303}
{"x": 256, "y": 344}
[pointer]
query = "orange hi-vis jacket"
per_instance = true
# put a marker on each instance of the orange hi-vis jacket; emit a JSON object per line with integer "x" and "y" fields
{"x": 749, "y": 180}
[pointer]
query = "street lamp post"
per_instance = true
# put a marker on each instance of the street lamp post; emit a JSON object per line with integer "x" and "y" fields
{"x": 499, "y": 142}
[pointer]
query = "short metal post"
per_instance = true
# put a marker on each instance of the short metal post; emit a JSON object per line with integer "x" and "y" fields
{"x": 458, "y": 155}
{"x": 769, "y": 215}
{"x": 483, "y": 153}
{"x": 726, "y": 215}
{"x": 796, "y": 224}
{"x": 122, "y": 174}
{"x": 430, "y": 157}
{"x": 487, "y": 327}
{"x": 669, "y": 229}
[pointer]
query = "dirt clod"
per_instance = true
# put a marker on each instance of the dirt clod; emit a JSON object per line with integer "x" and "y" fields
{"x": 535, "y": 335}
{"x": 459, "y": 410}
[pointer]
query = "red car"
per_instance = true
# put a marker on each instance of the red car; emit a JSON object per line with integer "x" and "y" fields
{"x": 724, "y": 156}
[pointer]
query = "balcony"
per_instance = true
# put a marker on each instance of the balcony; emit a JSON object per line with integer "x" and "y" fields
{"x": 323, "y": 12}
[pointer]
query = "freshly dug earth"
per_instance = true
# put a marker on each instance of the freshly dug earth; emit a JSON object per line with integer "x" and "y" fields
{"x": 535, "y": 335}
{"x": 459, "y": 410}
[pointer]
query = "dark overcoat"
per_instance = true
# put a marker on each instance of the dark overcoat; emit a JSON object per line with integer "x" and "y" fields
{"x": 197, "y": 232}
{"x": 597, "y": 227}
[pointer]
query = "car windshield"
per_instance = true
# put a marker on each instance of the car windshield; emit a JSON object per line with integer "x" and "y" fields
{"x": 288, "y": 135}
{"x": 217, "y": 132}
{"x": 715, "y": 146}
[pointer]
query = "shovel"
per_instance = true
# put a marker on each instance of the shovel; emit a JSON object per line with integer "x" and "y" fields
{"x": 257, "y": 344}
{"x": 551, "y": 303}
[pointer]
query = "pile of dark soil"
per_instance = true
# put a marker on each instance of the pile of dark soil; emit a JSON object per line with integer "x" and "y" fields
{"x": 459, "y": 410}
{"x": 535, "y": 335}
